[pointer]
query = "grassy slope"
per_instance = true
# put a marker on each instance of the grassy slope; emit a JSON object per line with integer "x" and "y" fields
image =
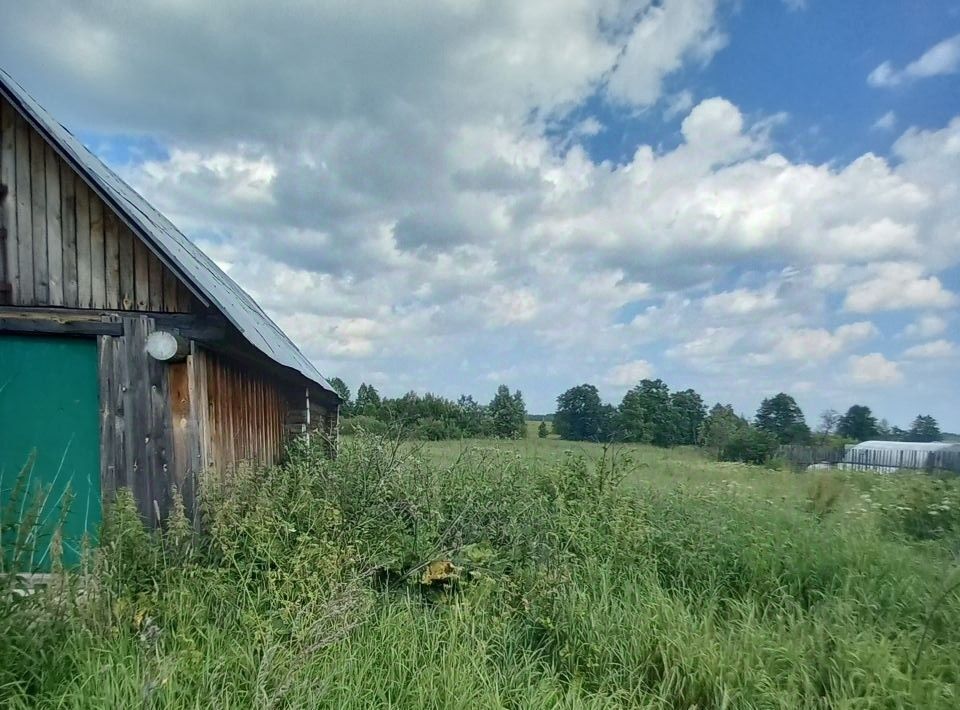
{"x": 697, "y": 584}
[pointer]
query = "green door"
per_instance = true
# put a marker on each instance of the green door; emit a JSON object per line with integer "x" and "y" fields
{"x": 49, "y": 448}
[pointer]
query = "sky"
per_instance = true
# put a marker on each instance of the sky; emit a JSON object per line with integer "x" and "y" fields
{"x": 739, "y": 196}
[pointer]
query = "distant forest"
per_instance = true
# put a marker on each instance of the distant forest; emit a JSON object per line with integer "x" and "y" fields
{"x": 649, "y": 413}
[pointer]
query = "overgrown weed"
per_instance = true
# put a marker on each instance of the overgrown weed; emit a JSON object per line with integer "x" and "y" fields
{"x": 495, "y": 579}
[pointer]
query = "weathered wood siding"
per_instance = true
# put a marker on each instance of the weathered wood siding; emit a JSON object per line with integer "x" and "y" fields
{"x": 322, "y": 419}
{"x": 64, "y": 246}
{"x": 164, "y": 426}
{"x": 136, "y": 448}
{"x": 239, "y": 412}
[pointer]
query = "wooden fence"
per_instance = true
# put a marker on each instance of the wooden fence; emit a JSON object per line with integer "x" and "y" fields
{"x": 800, "y": 457}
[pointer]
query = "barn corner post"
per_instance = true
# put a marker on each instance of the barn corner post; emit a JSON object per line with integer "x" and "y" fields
{"x": 8, "y": 225}
{"x": 5, "y": 286}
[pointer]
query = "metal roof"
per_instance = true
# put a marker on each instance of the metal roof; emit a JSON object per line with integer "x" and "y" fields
{"x": 203, "y": 276}
{"x": 928, "y": 446}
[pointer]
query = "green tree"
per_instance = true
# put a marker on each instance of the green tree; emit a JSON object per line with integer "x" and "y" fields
{"x": 520, "y": 415}
{"x": 474, "y": 418}
{"x": 542, "y": 429}
{"x": 340, "y": 387}
{"x": 508, "y": 414}
{"x": 885, "y": 431}
{"x": 924, "y": 428}
{"x": 858, "y": 424}
{"x": 368, "y": 400}
{"x": 829, "y": 419}
{"x": 782, "y": 417}
{"x": 581, "y": 416}
{"x": 719, "y": 428}
{"x": 646, "y": 414}
{"x": 689, "y": 413}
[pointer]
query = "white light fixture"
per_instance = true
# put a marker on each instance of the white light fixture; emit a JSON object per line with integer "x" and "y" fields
{"x": 167, "y": 347}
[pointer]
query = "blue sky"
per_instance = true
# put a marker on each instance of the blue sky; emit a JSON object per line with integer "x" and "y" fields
{"x": 740, "y": 196}
{"x": 811, "y": 64}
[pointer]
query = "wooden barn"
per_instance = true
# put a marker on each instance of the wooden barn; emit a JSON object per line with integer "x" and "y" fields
{"x": 127, "y": 357}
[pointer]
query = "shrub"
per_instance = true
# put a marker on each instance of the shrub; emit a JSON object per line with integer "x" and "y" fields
{"x": 432, "y": 429}
{"x": 750, "y": 445}
{"x": 351, "y": 426}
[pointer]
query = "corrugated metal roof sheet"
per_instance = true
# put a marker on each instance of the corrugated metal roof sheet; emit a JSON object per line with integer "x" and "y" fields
{"x": 195, "y": 267}
{"x": 905, "y": 446}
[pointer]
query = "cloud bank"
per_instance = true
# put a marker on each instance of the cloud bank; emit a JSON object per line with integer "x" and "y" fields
{"x": 386, "y": 178}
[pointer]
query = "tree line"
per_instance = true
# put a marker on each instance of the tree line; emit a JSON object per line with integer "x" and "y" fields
{"x": 432, "y": 417}
{"x": 649, "y": 413}
{"x": 859, "y": 424}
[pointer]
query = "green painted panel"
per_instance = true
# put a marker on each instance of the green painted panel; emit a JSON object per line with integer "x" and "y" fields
{"x": 49, "y": 448}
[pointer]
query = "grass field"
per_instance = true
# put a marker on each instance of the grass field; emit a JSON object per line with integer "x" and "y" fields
{"x": 527, "y": 574}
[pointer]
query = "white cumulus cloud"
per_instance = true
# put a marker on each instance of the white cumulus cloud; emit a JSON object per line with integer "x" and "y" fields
{"x": 628, "y": 374}
{"x": 667, "y": 34}
{"x": 741, "y": 301}
{"x": 678, "y": 104}
{"x": 933, "y": 350}
{"x": 897, "y": 286}
{"x": 941, "y": 58}
{"x": 808, "y": 344}
{"x": 873, "y": 369}
{"x": 886, "y": 122}
{"x": 926, "y": 326}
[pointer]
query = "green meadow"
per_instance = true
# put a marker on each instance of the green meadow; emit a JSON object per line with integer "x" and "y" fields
{"x": 535, "y": 573}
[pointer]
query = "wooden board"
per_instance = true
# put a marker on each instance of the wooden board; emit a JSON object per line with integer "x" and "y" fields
{"x": 54, "y": 227}
{"x": 111, "y": 251}
{"x": 169, "y": 292}
{"x": 98, "y": 257}
{"x": 198, "y": 447}
{"x": 112, "y": 423}
{"x": 181, "y": 432}
{"x": 68, "y": 216}
{"x": 141, "y": 271}
{"x": 156, "y": 270}
{"x": 25, "y": 295}
{"x": 84, "y": 246}
{"x": 8, "y": 210}
{"x": 128, "y": 299}
{"x": 38, "y": 204}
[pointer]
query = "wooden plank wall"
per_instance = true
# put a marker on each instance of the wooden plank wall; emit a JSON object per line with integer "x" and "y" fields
{"x": 239, "y": 413}
{"x": 164, "y": 425}
{"x": 136, "y": 449}
{"x": 183, "y": 434}
{"x": 64, "y": 245}
{"x": 323, "y": 419}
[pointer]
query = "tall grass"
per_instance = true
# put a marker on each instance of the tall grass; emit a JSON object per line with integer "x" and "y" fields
{"x": 502, "y": 576}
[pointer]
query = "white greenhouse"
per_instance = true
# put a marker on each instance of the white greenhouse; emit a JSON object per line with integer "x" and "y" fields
{"x": 891, "y": 455}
